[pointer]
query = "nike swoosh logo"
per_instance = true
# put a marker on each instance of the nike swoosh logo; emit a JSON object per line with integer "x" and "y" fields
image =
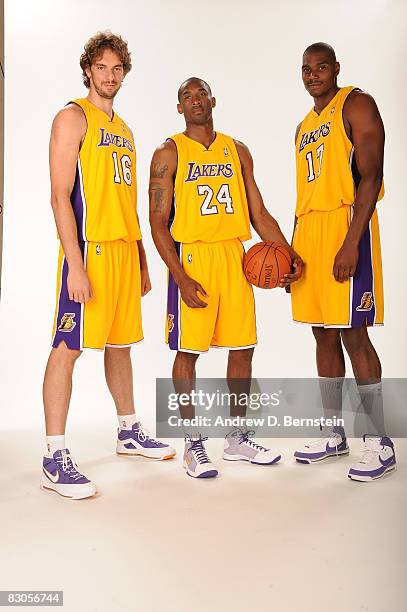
{"x": 332, "y": 449}
{"x": 386, "y": 462}
{"x": 52, "y": 477}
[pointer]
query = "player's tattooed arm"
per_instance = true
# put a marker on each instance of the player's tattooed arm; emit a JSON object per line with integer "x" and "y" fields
{"x": 162, "y": 174}
{"x": 365, "y": 129}
{"x": 158, "y": 170}
{"x": 263, "y": 222}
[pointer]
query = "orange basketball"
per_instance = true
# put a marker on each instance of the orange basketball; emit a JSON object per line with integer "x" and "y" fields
{"x": 266, "y": 263}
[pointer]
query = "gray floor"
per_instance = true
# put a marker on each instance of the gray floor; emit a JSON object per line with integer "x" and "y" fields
{"x": 288, "y": 538}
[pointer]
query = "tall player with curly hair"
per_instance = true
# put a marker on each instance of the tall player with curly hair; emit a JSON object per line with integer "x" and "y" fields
{"x": 102, "y": 269}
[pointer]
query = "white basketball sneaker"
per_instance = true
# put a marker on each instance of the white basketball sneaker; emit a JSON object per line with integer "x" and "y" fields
{"x": 196, "y": 460}
{"x": 240, "y": 447}
{"x": 333, "y": 446}
{"x": 377, "y": 459}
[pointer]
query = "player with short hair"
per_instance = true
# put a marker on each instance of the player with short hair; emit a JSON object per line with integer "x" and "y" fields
{"x": 203, "y": 196}
{"x": 102, "y": 269}
{"x": 339, "y": 159}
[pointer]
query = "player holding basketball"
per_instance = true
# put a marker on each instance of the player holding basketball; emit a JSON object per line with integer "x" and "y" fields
{"x": 339, "y": 159}
{"x": 203, "y": 197}
{"x": 102, "y": 269}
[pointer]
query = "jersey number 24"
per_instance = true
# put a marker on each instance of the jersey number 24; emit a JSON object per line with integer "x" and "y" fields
{"x": 223, "y": 197}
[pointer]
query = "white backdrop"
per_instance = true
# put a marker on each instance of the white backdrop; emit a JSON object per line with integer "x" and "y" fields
{"x": 250, "y": 53}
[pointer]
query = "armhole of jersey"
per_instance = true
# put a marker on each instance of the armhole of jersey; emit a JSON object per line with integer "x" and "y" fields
{"x": 86, "y": 119}
{"x": 237, "y": 151}
{"x": 343, "y": 106}
{"x": 176, "y": 148}
{"x": 298, "y": 135}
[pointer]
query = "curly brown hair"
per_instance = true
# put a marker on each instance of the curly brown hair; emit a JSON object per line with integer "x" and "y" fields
{"x": 94, "y": 49}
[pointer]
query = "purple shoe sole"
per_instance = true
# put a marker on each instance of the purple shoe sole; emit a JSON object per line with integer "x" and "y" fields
{"x": 270, "y": 462}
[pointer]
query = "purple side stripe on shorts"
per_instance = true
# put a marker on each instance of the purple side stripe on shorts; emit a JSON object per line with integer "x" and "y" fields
{"x": 173, "y": 308}
{"x": 77, "y": 202}
{"x": 68, "y": 324}
{"x": 363, "y": 305}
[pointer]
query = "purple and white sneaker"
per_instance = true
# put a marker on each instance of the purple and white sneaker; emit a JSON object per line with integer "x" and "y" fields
{"x": 378, "y": 458}
{"x": 196, "y": 460}
{"x": 136, "y": 441}
{"x": 60, "y": 473}
{"x": 240, "y": 447}
{"x": 333, "y": 446}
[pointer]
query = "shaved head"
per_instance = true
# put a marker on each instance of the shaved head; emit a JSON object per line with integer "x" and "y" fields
{"x": 185, "y": 84}
{"x": 321, "y": 47}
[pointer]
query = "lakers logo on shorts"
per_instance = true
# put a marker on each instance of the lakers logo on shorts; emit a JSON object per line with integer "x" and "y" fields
{"x": 170, "y": 323}
{"x": 67, "y": 322}
{"x": 366, "y": 303}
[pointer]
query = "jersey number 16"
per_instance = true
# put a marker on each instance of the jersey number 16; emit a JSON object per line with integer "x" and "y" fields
{"x": 125, "y": 163}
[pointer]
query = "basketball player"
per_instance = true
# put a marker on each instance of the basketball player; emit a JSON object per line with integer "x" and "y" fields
{"x": 203, "y": 197}
{"x": 339, "y": 159}
{"x": 102, "y": 270}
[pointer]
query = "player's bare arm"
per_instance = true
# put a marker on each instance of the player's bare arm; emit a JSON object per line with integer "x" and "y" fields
{"x": 365, "y": 129}
{"x": 264, "y": 224}
{"x": 162, "y": 173}
{"x": 68, "y": 131}
{"x": 144, "y": 273}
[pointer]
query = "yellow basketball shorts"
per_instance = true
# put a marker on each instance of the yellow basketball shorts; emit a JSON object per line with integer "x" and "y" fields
{"x": 112, "y": 317}
{"x": 317, "y": 298}
{"x": 229, "y": 319}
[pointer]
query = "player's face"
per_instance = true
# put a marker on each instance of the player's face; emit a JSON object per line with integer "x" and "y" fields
{"x": 106, "y": 74}
{"x": 319, "y": 73}
{"x": 196, "y": 103}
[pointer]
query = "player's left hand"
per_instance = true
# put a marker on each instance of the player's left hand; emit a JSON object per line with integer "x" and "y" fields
{"x": 345, "y": 262}
{"x": 297, "y": 267}
{"x": 145, "y": 281}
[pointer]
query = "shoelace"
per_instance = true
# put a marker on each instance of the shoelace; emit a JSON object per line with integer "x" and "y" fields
{"x": 198, "y": 448}
{"x": 144, "y": 436}
{"x": 68, "y": 466}
{"x": 245, "y": 437}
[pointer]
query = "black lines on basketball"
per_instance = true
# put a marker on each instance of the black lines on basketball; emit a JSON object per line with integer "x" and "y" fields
{"x": 253, "y": 252}
{"x": 265, "y": 263}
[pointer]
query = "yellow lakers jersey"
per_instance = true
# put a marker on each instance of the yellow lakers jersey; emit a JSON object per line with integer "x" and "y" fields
{"x": 104, "y": 196}
{"x": 210, "y": 201}
{"x": 327, "y": 174}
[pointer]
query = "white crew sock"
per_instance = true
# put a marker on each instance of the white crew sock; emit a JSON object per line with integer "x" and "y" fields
{"x": 331, "y": 395}
{"x": 126, "y": 421}
{"x": 54, "y": 443}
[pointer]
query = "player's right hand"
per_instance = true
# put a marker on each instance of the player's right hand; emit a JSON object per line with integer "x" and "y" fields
{"x": 189, "y": 289}
{"x": 79, "y": 289}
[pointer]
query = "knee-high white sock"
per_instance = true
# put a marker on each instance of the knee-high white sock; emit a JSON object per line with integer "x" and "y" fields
{"x": 54, "y": 443}
{"x": 371, "y": 406}
{"x": 331, "y": 395}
